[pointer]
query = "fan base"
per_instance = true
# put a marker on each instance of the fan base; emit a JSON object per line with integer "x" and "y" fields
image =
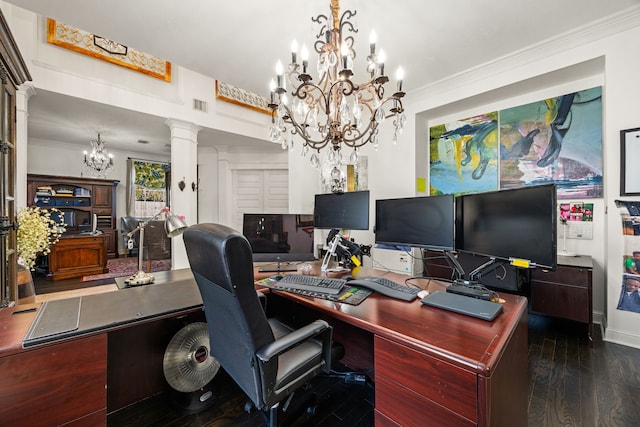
{"x": 195, "y": 401}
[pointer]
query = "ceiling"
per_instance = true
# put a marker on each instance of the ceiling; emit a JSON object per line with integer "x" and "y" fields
{"x": 240, "y": 45}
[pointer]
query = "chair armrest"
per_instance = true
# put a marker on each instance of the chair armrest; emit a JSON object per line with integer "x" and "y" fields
{"x": 279, "y": 346}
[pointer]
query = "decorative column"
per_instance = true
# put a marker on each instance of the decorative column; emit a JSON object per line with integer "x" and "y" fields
{"x": 184, "y": 182}
{"x": 23, "y": 94}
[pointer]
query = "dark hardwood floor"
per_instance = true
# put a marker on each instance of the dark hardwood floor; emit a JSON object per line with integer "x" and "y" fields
{"x": 339, "y": 404}
{"x": 574, "y": 383}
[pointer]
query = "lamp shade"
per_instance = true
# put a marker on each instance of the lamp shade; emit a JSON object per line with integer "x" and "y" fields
{"x": 173, "y": 224}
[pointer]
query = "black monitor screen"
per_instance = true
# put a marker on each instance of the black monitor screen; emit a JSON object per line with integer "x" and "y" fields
{"x": 342, "y": 211}
{"x": 66, "y": 216}
{"x": 516, "y": 223}
{"x": 424, "y": 222}
{"x": 273, "y": 237}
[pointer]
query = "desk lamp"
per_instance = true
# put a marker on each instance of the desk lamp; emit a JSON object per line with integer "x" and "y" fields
{"x": 173, "y": 226}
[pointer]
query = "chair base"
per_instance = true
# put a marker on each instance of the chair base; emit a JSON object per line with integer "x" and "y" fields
{"x": 284, "y": 413}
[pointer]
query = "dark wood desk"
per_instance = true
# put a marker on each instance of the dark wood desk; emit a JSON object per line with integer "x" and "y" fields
{"x": 78, "y": 255}
{"x": 450, "y": 368}
{"x": 113, "y": 359}
{"x": 432, "y": 367}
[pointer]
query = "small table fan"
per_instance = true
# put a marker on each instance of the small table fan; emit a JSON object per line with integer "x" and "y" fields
{"x": 189, "y": 368}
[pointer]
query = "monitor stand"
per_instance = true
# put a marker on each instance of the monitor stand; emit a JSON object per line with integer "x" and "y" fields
{"x": 276, "y": 267}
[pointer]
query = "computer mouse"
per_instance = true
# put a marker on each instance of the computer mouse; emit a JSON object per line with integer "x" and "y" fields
{"x": 347, "y": 277}
{"x": 276, "y": 277}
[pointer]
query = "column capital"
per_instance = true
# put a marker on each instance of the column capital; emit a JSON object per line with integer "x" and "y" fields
{"x": 24, "y": 92}
{"x": 182, "y": 129}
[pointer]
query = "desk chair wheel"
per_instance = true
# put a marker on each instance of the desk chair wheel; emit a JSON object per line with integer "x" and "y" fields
{"x": 311, "y": 410}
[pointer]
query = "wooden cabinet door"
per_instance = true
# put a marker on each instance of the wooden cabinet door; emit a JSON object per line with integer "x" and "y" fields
{"x": 102, "y": 196}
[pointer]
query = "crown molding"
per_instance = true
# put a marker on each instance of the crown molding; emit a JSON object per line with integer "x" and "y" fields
{"x": 580, "y": 36}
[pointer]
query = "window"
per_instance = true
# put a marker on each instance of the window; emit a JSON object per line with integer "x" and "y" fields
{"x": 147, "y": 186}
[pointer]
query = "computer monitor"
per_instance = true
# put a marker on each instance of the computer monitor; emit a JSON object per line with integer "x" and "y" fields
{"x": 67, "y": 216}
{"x": 422, "y": 222}
{"x": 515, "y": 224}
{"x": 279, "y": 237}
{"x": 342, "y": 211}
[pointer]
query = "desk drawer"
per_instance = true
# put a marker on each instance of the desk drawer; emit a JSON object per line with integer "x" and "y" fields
{"x": 406, "y": 375}
{"x": 410, "y": 409}
{"x": 567, "y": 302}
{"x": 568, "y": 275}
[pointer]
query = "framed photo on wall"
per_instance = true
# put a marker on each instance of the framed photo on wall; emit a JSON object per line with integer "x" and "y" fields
{"x": 629, "y": 162}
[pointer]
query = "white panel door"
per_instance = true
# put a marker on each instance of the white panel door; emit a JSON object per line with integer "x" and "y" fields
{"x": 258, "y": 191}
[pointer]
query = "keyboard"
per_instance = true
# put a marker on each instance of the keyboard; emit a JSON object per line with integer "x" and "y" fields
{"x": 387, "y": 287}
{"x": 323, "y": 285}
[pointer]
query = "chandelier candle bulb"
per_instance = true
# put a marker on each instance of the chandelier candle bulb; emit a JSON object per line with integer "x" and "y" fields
{"x": 345, "y": 54}
{"x": 279, "y": 71}
{"x": 372, "y": 41}
{"x": 294, "y": 51}
{"x": 399, "y": 77}
{"x": 272, "y": 88}
{"x": 304, "y": 54}
{"x": 381, "y": 58}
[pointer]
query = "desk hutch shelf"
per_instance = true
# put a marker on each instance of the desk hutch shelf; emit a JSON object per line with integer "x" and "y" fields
{"x": 79, "y": 200}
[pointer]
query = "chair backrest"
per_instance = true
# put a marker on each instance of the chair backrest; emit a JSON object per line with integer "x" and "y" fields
{"x": 222, "y": 264}
{"x": 157, "y": 245}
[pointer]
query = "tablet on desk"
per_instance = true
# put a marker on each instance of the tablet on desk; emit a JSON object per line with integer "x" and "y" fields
{"x": 482, "y": 309}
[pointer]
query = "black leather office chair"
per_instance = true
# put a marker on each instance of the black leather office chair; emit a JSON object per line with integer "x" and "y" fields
{"x": 266, "y": 358}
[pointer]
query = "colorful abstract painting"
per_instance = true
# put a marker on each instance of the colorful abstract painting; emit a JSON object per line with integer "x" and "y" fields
{"x": 555, "y": 140}
{"x": 464, "y": 155}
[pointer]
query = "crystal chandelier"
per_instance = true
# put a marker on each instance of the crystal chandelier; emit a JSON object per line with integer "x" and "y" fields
{"x": 334, "y": 111}
{"x": 98, "y": 162}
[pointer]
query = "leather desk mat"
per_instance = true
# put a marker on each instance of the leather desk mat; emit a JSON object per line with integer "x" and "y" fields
{"x": 111, "y": 309}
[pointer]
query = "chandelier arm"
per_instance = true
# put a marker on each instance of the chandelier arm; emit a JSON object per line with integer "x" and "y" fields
{"x": 345, "y": 91}
{"x": 345, "y": 23}
{"x": 398, "y": 110}
{"x": 349, "y": 42}
{"x": 306, "y": 89}
{"x": 360, "y": 139}
{"x": 302, "y": 131}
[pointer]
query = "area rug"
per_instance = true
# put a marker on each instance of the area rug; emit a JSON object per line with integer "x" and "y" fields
{"x": 120, "y": 267}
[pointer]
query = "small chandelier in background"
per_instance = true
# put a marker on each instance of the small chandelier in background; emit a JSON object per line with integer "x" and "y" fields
{"x": 334, "y": 111}
{"x": 98, "y": 162}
